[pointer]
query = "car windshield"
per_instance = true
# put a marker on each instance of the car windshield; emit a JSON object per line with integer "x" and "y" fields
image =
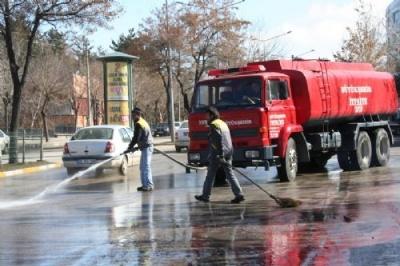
{"x": 231, "y": 92}
{"x": 185, "y": 124}
{"x": 93, "y": 133}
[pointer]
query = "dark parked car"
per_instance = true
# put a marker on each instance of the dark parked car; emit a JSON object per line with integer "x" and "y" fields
{"x": 162, "y": 129}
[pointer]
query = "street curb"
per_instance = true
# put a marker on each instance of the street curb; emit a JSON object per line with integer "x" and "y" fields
{"x": 29, "y": 170}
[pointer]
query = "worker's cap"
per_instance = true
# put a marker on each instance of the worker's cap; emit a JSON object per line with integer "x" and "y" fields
{"x": 137, "y": 111}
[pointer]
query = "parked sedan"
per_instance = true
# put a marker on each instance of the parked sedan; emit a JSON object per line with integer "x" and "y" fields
{"x": 4, "y": 142}
{"x": 162, "y": 129}
{"x": 95, "y": 144}
{"x": 182, "y": 137}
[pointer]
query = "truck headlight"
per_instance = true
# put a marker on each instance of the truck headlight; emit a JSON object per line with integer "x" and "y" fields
{"x": 194, "y": 156}
{"x": 252, "y": 154}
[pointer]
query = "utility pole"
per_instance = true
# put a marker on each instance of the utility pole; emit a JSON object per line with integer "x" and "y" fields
{"x": 89, "y": 116}
{"x": 169, "y": 83}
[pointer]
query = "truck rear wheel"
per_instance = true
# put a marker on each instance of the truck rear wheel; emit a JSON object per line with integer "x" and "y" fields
{"x": 289, "y": 165}
{"x": 360, "y": 159}
{"x": 364, "y": 150}
{"x": 380, "y": 148}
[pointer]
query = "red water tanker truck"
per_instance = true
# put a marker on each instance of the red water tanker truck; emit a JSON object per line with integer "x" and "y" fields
{"x": 294, "y": 114}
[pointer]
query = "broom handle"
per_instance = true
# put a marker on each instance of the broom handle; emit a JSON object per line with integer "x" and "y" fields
{"x": 254, "y": 183}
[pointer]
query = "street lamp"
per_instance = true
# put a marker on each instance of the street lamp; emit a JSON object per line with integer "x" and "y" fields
{"x": 232, "y": 4}
{"x": 300, "y": 55}
{"x": 169, "y": 84}
{"x": 89, "y": 116}
{"x": 269, "y": 39}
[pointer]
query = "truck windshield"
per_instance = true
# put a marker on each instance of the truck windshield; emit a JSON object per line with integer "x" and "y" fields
{"x": 237, "y": 92}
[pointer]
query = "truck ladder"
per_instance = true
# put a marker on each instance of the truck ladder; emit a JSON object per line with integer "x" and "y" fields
{"x": 325, "y": 91}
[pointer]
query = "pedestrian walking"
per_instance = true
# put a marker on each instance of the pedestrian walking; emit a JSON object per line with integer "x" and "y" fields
{"x": 220, "y": 154}
{"x": 143, "y": 138}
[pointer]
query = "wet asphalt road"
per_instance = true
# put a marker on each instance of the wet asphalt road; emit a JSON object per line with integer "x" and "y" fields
{"x": 347, "y": 218}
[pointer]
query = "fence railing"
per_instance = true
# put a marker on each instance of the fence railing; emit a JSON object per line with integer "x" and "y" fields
{"x": 29, "y": 145}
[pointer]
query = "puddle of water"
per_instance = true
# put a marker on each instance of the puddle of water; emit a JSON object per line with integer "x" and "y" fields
{"x": 50, "y": 189}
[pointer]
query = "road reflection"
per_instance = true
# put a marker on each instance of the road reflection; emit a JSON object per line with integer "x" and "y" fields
{"x": 341, "y": 218}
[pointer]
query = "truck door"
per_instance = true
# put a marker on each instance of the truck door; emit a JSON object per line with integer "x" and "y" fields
{"x": 279, "y": 105}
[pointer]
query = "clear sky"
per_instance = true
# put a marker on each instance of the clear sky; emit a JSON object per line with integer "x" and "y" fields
{"x": 318, "y": 25}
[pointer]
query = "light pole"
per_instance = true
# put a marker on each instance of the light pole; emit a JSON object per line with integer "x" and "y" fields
{"x": 89, "y": 116}
{"x": 169, "y": 83}
{"x": 269, "y": 39}
{"x": 299, "y": 56}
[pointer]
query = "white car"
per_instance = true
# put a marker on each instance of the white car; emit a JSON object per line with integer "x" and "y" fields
{"x": 4, "y": 142}
{"x": 182, "y": 137}
{"x": 94, "y": 144}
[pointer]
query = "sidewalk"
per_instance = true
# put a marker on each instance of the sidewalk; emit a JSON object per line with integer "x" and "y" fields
{"x": 57, "y": 144}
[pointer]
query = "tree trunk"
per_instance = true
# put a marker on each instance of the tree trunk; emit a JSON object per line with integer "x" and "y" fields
{"x": 13, "y": 155}
{"x": 44, "y": 120}
{"x": 45, "y": 129}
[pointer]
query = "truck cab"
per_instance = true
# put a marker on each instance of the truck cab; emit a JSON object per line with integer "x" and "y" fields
{"x": 255, "y": 104}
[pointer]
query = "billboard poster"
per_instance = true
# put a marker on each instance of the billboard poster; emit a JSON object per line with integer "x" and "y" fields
{"x": 117, "y": 81}
{"x": 118, "y": 113}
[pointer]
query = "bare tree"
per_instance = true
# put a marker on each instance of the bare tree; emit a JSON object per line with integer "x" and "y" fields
{"x": 50, "y": 86}
{"x": 366, "y": 42}
{"x": 29, "y": 16}
{"x": 191, "y": 39}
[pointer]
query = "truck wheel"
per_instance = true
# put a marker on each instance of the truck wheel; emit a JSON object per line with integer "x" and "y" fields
{"x": 360, "y": 159}
{"x": 289, "y": 165}
{"x": 380, "y": 148}
{"x": 364, "y": 150}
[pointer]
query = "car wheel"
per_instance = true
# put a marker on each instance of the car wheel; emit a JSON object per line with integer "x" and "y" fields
{"x": 123, "y": 168}
{"x": 71, "y": 171}
{"x": 178, "y": 149}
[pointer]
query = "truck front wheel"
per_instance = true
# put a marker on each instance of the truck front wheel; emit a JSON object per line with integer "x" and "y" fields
{"x": 289, "y": 164}
{"x": 380, "y": 148}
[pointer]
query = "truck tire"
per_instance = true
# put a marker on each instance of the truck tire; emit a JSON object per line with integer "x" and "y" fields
{"x": 289, "y": 165}
{"x": 380, "y": 148}
{"x": 364, "y": 150}
{"x": 360, "y": 159}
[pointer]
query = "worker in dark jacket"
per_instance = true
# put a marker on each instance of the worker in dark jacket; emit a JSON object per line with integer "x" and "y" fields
{"x": 220, "y": 154}
{"x": 144, "y": 140}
